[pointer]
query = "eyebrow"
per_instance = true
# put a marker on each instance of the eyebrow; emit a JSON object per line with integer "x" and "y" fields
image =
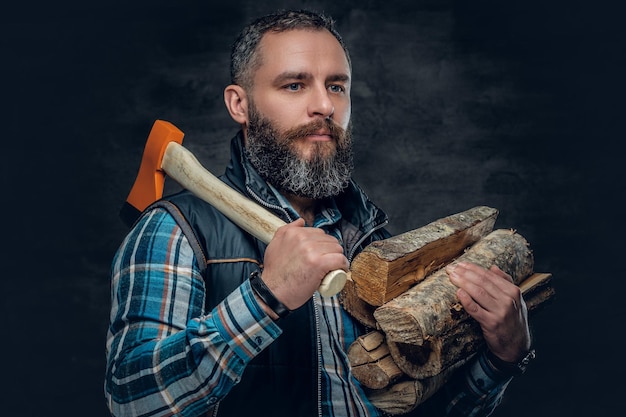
{"x": 293, "y": 75}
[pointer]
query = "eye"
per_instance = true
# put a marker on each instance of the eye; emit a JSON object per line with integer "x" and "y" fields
{"x": 293, "y": 87}
{"x": 336, "y": 88}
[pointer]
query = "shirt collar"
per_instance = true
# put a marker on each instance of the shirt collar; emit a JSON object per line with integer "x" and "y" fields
{"x": 328, "y": 215}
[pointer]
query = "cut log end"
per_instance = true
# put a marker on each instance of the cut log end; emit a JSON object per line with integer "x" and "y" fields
{"x": 379, "y": 374}
{"x": 387, "y": 268}
{"x": 355, "y": 306}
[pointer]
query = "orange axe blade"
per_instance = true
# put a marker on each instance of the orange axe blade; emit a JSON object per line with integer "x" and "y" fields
{"x": 148, "y": 186}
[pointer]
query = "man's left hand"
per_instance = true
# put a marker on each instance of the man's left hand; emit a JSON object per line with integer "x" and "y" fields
{"x": 491, "y": 297}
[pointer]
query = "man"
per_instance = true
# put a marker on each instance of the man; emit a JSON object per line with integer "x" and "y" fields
{"x": 206, "y": 320}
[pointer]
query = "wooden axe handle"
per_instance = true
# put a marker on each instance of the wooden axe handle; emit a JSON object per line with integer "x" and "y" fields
{"x": 181, "y": 165}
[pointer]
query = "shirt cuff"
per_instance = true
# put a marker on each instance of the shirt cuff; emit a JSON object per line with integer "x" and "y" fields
{"x": 483, "y": 378}
{"x": 243, "y": 324}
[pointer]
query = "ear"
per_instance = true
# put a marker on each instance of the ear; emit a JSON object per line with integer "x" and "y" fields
{"x": 236, "y": 101}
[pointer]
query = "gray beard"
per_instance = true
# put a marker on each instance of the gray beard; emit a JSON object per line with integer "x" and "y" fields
{"x": 273, "y": 156}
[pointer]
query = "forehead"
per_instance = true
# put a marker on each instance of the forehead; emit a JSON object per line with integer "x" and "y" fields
{"x": 303, "y": 51}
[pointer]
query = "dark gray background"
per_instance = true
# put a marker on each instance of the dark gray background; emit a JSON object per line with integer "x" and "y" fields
{"x": 516, "y": 105}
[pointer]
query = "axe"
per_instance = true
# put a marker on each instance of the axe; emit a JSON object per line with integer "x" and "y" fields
{"x": 164, "y": 155}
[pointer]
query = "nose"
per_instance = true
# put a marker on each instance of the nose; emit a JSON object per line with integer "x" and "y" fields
{"x": 321, "y": 103}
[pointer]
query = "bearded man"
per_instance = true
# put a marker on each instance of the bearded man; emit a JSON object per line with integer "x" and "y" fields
{"x": 207, "y": 320}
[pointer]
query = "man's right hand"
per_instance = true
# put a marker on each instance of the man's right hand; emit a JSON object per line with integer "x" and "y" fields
{"x": 296, "y": 261}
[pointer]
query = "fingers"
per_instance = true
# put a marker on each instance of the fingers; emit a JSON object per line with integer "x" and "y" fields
{"x": 313, "y": 245}
{"x": 297, "y": 259}
{"x": 496, "y": 270}
{"x": 472, "y": 307}
{"x": 488, "y": 295}
{"x": 486, "y": 287}
{"x": 491, "y": 297}
{"x": 476, "y": 290}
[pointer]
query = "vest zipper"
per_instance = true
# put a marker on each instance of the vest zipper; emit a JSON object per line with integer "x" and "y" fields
{"x": 315, "y": 308}
{"x": 318, "y": 346}
{"x": 263, "y": 203}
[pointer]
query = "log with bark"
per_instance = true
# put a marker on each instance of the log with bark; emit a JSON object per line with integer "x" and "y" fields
{"x": 370, "y": 355}
{"x": 387, "y": 268}
{"x": 432, "y": 307}
{"x": 461, "y": 341}
{"x": 404, "y": 396}
{"x": 399, "y": 286}
{"x": 373, "y": 365}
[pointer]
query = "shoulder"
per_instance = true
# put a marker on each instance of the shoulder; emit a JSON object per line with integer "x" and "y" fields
{"x": 156, "y": 237}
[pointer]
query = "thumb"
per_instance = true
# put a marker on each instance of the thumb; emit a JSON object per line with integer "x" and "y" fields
{"x": 297, "y": 223}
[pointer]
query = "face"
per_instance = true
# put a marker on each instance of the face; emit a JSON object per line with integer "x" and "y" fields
{"x": 297, "y": 129}
{"x": 303, "y": 76}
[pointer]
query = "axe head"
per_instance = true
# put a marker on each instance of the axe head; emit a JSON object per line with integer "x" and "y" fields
{"x": 148, "y": 186}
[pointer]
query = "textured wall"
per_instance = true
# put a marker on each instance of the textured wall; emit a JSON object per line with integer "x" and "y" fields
{"x": 509, "y": 104}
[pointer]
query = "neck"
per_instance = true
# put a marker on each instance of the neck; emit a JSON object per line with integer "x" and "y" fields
{"x": 305, "y": 207}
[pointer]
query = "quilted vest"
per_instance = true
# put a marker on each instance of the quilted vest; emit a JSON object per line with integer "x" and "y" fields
{"x": 283, "y": 379}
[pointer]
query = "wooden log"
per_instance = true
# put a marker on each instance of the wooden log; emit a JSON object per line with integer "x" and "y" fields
{"x": 438, "y": 353}
{"x": 387, "y": 268}
{"x": 357, "y": 308}
{"x": 404, "y": 396}
{"x": 535, "y": 281}
{"x": 371, "y": 362}
{"x": 407, "y": 394}
{"x": 399, "y": 398}
{"x": 537, "y": 290}
{"x": 540, "y": 298}
{"x": 462, "y": 341}
{"x": 367, "y": 348}
{"x": 432, "y": 308}
{"x": 379, "y": 374}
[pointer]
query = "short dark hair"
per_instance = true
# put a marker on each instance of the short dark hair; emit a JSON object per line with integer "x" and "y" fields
{"x": 244, "y": 58}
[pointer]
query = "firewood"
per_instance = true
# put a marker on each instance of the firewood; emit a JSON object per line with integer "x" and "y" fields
{"x": 357, "y": 308}
{"x": 535, "y": 281}
{"x": 404, "y": 396}
{"x": 399, "y": 398}
{"x": 379, "y": 374}
{"x": 537, "y": 290}
{"x": 432, "y": 308}
{"x": 367, "y": 348}
{"x": 438, "y": 353}
{"x": 371, "y": 363}
{"x": 408, "y": 393}
{"x": 540, "y": 297}
{"x": 462, "y": 341}
{"x": 387, "y": 268}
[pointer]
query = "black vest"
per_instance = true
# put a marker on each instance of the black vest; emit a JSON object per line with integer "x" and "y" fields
{"x": 283, "y": 379}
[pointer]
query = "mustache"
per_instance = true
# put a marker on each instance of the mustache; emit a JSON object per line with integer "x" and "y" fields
{"x": 334, "y": 130}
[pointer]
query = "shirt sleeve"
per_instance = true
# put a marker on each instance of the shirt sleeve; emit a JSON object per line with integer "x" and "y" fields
{"x": 164, "y": 354}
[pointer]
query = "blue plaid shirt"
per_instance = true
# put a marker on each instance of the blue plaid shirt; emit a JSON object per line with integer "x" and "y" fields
{"x": 167, "y": 356}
